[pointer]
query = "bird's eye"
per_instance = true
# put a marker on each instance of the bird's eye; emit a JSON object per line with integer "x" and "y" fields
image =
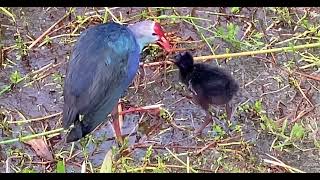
{"x": 153, "y": 34}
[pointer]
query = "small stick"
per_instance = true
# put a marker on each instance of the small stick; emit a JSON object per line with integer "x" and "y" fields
{"x": 271, "y": 92}
{"x": 248, "y": 53}
{"x": 277, "y": 162}
{"x": 176, "y": 157}
{"x": 304, "y": 95}
{"x": 47, "y": 31}
{"x": 155, "y": 63}
{"x": 141, "y": 109}
{"x": 31, "y": 136}
{"x": 301, "y": 114}
{"x": 1, "y": 56}
{"x": 317, "y": 78}
{"x": 150, "y": 13}
{"x": 247, "y": 30}
{"x": 35, "y": 119}
{"x": 224, "y": 14}
{"x": 251, "y": 53}
{"x": 297, "y": 108}
{"x": 206, "y": 147}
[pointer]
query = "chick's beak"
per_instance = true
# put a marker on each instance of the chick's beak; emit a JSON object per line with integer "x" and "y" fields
{"x": 164, "y": 43}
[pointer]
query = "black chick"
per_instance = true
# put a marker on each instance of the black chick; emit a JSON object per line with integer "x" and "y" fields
{"x": 208, "y": 84}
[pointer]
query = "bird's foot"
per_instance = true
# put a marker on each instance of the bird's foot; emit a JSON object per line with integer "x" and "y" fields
{"x": 224, "y": 126}
{"x": 208, "y": 119}
{"x": 186, "y": 95}
{"x": 231, "y": 118}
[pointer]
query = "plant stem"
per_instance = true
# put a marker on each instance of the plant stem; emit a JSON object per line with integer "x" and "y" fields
{"x": 178, "y": 17}
{"x": 251, "y": 53}
{"x": 25, "y": 138}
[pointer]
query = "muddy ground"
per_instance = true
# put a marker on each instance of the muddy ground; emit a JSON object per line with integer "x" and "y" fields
{"x": 284, "y": 126}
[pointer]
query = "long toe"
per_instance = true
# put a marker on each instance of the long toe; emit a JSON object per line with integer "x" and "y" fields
{"x": 223, "y": 125}
{"x": 74, "y": 135}
{"x": 204, "y": 124}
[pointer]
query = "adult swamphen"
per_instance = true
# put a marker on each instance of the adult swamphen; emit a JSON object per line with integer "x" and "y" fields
{"x": 103, "y": 64}
{"x": 208, "y": 84}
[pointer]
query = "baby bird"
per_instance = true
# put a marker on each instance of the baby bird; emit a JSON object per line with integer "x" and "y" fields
{"x": 209, "y": 85}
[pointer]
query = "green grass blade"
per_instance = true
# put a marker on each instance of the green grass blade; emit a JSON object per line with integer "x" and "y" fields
{"x": 7, "y": 13}
{"x": 106, "y": 166}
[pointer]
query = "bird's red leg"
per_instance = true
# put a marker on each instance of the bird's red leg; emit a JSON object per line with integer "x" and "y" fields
{"x": 207, "y": 120}
{"x": 117, "y": 116}
{"x": 116, "y": 122}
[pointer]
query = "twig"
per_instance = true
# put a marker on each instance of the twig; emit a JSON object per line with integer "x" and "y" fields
{"x": 35, "y": 119}
{"x": 251, "y": 53}
{"x": 247, "y": 31}
{"x": 151, "y": 107}
{"x": 139, "y": 145}
{"x": 202, "y": 36}
{"x": 248, "y": 53}
{"x": 178, "y": 17}
{"x": 271, "y": 92}
{"x": 31, "y": 136}
{"x": 176, "y": 157}
{"x": 302, "y": 113}
{"x": 177, "y": 166}
{"x": 99, "y": 11}
{"x": 304, "y": 95}
{"x": 206, "y": 147}
{"x": 47, "y": 31}
{"x": 150, "y": 13}
{"x": 317, "y": 78}
{"x": 156, "y": 146}
{"x": 58, "y": 36}
{"x": 277, "y": 162}
{"x": 113, "y": 16}
{"x": 223, "y": 14}
{"x": 155, "y": 63}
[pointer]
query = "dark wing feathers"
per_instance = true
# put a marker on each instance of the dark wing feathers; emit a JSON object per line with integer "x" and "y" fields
{"x": 209, "y": 79}
{"x": 97, "y": 68}
{"x": 212, "y": 84}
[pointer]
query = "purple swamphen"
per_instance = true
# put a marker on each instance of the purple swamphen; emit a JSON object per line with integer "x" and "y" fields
{"x": 208, "y": 84}
{"x": 103, "y": 64}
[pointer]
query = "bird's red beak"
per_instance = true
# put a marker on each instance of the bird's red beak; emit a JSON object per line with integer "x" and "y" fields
{"x": 162, "y": 42}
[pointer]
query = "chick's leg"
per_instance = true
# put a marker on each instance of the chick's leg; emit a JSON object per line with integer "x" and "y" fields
{"x": 207, "y": 120}
{"x": 203, "y": 102}
{"x": 228, "y": 111}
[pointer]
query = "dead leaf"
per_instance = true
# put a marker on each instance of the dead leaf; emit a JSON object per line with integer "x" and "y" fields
{"x": 41, "y": 148}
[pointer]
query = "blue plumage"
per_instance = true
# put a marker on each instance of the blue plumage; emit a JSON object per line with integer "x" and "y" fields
{"x": 103, "y": 64}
